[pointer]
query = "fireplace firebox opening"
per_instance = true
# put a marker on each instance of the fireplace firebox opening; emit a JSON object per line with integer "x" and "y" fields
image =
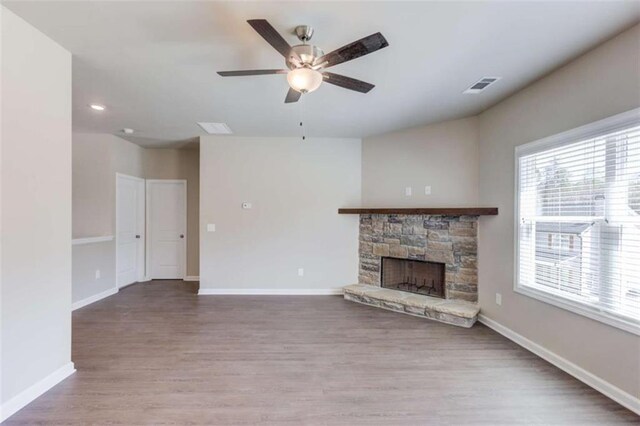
{"x": 415, "y": 276}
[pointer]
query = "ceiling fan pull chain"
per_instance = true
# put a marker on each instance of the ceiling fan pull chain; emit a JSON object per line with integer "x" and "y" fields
{"x": 304, "y": 137}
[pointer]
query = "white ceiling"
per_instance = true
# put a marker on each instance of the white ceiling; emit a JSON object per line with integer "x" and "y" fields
{"x": 153, "y": 64}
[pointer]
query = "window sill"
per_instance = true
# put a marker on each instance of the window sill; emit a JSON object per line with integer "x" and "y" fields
{"x": 581, "y": 309}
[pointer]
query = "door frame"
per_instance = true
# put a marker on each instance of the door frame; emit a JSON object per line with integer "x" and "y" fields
{"x": 142, "y": 246}
{"x": 183, "y": 254}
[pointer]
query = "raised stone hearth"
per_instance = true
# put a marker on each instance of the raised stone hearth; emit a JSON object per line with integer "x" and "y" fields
{"x": 447, "y": 240}
{"x": 455, "y": 312}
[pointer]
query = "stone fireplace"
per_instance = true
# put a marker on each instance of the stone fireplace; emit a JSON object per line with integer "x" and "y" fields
{"x": 450, "y": 240}
{"x": 424, "y": 265}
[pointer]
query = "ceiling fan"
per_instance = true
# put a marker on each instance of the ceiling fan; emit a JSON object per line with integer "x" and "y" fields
{"x": 307, "y": 63}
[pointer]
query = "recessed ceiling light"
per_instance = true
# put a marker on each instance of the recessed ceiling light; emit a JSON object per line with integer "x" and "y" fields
{"x": 97, "y": 107}
{"x": 215, "y": 128}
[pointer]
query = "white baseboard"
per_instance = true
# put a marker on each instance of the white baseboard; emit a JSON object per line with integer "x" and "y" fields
{"x": 92, "y": 299}
{"x": 19, "y": 401}
{"x": 271, "y": 291}
{"x": 621, "y": 397}
{"x": 191, "y": 278}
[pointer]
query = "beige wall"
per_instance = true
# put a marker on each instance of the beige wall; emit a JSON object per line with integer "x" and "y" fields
{"x": 443, "y": 156}
{"x": 36, "y": 209}
{"x": 296, "y": 189}
{"x": 602, "y": 83}
{"x": 96, "y": 160}
{"x": 87, "y": 259}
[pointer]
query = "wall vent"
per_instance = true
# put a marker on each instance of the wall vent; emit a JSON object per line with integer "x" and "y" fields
{"x": 215, "y": 128}
{"x": 481, "y": 84}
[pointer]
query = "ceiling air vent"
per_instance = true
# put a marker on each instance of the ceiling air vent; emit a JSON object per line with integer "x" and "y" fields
{"x": 215, "y": 128}
{"x": 481, "y": 84}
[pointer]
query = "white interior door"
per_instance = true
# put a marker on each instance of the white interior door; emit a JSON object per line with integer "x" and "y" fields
{"x": 130, "y": 204}
{"x": 166, "y": 227}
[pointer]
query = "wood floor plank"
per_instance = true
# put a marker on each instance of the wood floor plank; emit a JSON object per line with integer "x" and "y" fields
{"x": 155, "y": 353}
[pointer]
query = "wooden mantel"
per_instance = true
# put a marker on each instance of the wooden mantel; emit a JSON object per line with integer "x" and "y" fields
{"x": 444, "y": 211}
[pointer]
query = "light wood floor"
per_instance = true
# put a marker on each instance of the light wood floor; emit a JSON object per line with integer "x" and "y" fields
{"x": 157, "y": 354}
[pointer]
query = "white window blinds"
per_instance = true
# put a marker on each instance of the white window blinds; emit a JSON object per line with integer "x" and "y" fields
{"x": 578, "y": 236}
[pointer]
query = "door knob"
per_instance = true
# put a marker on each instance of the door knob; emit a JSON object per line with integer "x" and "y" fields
{"x": 181, "y": 235}
{"x": 137, "y": 236}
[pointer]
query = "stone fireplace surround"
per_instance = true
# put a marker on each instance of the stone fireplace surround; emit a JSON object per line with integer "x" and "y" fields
{"x": 451, "y": 240}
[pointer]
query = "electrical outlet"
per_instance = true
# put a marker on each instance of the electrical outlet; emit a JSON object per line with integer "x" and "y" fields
{"x": 211, "y": 227}
{"x": 301, "y": 272}
{"x": 427, "y": 190}
{"x": 498, "y": 299}
{"x": 97, "y": 274}
{"x": 408, "y": 191}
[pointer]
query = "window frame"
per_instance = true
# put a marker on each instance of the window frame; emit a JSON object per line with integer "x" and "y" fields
{"x": 591, "y": 130}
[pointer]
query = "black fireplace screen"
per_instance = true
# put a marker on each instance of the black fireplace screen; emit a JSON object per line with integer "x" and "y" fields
{"x": 415, "y": 276}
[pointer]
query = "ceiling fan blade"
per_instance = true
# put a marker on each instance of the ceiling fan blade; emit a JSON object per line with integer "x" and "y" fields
{"x": 243, "y": 73}
{"x": 354, "y": 50}
{"x": 264, "y": 28}
{"x": 292, "y": 96}
{"x": 347, "y": 82}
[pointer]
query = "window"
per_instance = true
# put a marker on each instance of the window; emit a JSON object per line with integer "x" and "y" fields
{"x": 578, "y": 220}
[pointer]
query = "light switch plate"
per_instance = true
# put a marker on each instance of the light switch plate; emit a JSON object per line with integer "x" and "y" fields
{"x": 407, "y": 191}
{"x": 301, "y": 272}
{"x": 427, "y": 190}
{"x": 211, "y": 227}
{"x": 498, "y": 299}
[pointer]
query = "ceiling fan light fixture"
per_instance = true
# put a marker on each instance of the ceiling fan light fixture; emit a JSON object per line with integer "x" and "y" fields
{"x": 308, "y": 63}
{"x": 304, "y": 80}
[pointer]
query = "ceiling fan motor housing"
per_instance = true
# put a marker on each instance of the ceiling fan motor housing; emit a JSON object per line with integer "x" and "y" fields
{"x": 307, "y": 54}
{"x": 304, "y": 33}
